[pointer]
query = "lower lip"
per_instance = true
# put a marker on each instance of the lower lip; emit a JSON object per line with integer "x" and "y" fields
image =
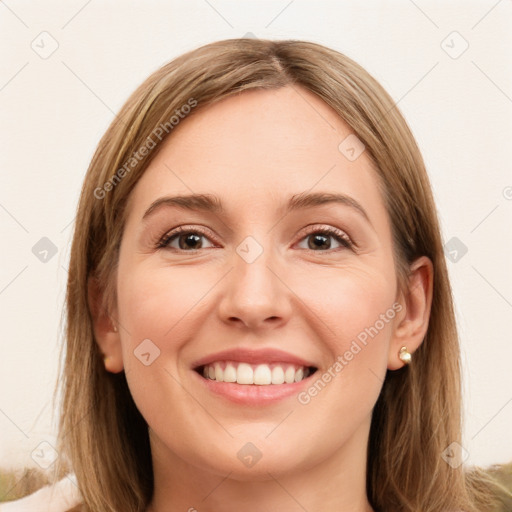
{"x": 254, "y": 394}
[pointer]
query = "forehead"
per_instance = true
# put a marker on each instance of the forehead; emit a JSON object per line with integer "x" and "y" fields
{"x": 258, "y": 146}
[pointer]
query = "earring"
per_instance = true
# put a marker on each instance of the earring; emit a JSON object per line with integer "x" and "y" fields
{"x": 115, "y": 328}
{"x": 404, "y": 355}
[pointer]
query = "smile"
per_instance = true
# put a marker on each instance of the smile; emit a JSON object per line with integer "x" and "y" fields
{"x": 257, "y": 374}
{"x": 251, "y": 377}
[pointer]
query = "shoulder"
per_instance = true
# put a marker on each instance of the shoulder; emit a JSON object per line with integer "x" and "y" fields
{"x": 63, "y": 496}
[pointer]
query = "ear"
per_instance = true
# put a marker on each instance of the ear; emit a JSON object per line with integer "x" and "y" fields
{"x": 412, "y": 323}
{"x": 105, "y": 330}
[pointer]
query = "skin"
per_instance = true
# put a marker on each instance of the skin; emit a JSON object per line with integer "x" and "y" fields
{"x": 254, "y": 152}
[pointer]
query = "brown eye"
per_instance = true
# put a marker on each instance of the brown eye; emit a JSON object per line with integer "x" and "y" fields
{"x": 320, "y": 240}
{"x": 183, "y": 239}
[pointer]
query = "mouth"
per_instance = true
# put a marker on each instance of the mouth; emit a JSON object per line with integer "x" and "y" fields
{"x": 247, "y": 374}
{"x": 253, "y": 385}
{"x": 253, "y": 377}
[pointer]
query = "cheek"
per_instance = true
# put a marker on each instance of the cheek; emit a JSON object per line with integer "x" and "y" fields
{"x": 153, "y": 302}
{"x": 156, "y": 307}
{"x": 358, "y": 317}
{"x": 367, "y": 313}
{"x": 354, "y": 304}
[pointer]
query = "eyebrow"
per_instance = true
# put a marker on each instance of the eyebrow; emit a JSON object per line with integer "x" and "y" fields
{"x": 211, "y": 203}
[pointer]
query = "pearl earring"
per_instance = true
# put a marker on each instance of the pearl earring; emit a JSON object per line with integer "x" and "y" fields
{"x": 404, "y": 355}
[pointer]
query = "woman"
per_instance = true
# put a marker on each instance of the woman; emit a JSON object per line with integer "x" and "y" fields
{"x": 259, "y": 312}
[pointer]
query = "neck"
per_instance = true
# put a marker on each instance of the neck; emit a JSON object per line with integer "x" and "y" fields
{"x": 337, "y": 484}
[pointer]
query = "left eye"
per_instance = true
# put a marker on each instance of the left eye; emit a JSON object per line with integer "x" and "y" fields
{"x": 320, "y": 239}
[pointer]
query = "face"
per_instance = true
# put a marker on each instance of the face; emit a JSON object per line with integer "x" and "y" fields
{"x": 278, "y": 277}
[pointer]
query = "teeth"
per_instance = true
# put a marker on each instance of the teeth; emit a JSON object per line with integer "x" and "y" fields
{"x": 277, "y": 375}
{"x": 244, "y": 374}
{"x": 218, "y": 372}
{"x": 230, "y": 373}
{"x": 289, "y": 375}
{"x": 261, "y": 374}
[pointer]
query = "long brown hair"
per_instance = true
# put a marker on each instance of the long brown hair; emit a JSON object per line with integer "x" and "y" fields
{"x": 418, "y": 413}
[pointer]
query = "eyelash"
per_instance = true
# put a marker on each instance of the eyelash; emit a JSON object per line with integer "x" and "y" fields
{"x": 339, "y": 235}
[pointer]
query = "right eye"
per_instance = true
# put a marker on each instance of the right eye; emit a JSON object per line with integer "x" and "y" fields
{"x": 185, "y": 237}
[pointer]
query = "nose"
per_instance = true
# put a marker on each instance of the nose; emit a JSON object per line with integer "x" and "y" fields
{"x": 255, "y": 295}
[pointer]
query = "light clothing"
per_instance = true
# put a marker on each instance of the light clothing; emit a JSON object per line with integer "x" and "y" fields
{"x": 60, "y": 497}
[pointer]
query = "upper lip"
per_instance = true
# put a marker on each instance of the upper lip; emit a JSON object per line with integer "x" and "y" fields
{"x": 260, "y": 356}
